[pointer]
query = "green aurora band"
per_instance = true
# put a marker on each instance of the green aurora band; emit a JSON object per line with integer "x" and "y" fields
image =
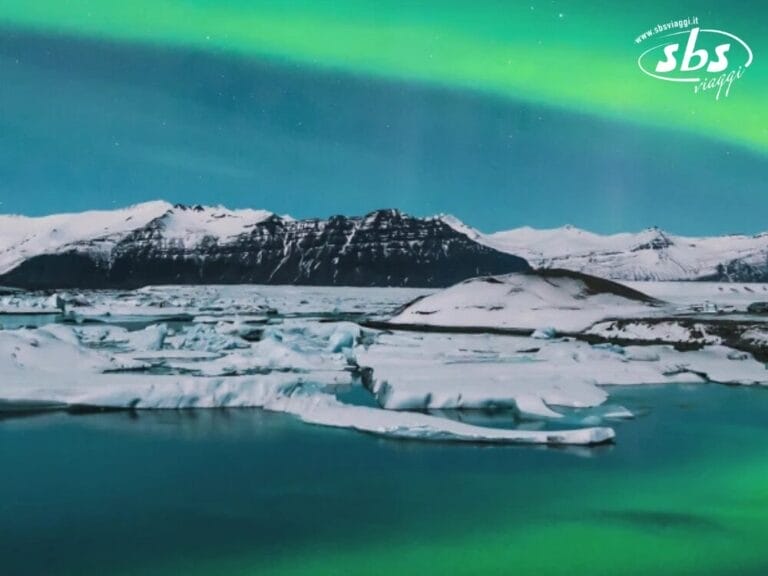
{"x": 579, "y": 56}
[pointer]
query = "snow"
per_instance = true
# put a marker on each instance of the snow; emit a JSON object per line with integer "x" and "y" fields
{"x": 522, "y": 301}
{"x": 662, "y": 331}
{"x": 651, "y": 254}
{"x": 648, "y": 255}
{"x": 461, "y": 227}
{"x": 705, "y": 296}
{"x": 23, "y": 237}
{"x": 190, "y": 226}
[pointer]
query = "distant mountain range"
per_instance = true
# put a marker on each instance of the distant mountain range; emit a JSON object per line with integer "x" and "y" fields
{"x": 648, "y": 255}
{"x": 160, "y": 243}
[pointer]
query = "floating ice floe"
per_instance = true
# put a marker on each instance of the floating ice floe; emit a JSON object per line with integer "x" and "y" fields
{"x": 32, "y": 377}
{"x": 327, "y": 411}
{"x": 52, "y": 367}
{"x": 21, "y": 303}
{"x": 437, "y": 371}
{"x": 418, "y": 371}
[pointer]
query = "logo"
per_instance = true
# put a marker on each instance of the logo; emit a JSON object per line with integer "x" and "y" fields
{"x": 712, "y": 60}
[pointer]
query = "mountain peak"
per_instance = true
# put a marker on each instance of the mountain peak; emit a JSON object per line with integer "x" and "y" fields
{"x": 459, "y": 226}
{"x": 651, "y": 254}
{"x": 653, "y": 238}
{"x": 194, "y": 208}
{"x": 385, "y": 213}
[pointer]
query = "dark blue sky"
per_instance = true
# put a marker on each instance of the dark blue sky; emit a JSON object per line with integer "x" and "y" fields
{"x": 95, "y": 125}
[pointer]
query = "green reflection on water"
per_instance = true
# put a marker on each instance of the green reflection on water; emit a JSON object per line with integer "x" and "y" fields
{"x": 684, "y": 491}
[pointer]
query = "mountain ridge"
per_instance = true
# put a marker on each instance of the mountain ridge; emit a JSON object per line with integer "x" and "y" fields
{"x": 160, "y": 243}
{"x": 649, "y": 255}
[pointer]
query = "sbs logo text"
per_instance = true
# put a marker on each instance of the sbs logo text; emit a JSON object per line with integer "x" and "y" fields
{"x": 710, "y": 59}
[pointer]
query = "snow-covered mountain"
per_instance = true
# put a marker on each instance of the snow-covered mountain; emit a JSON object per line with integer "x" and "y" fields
{"x": 160, "y": 243}
{"x": 99, "y": 232}
{"x": 648, "y": 255}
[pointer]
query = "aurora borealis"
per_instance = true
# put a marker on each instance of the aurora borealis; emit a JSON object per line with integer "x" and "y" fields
{"x": 504, "y": 113}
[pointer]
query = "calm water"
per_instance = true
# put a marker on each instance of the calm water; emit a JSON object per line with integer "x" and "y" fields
{"x": 684, "y": 491}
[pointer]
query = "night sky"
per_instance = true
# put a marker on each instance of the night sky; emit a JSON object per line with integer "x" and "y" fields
{"x": 502, "y": 113}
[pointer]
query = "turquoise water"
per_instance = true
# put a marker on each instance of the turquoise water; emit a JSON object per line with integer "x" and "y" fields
{"x": 13, "y": 321}
{"x": 683, "y": 491}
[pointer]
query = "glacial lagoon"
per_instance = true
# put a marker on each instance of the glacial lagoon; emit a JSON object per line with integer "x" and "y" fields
{"x": 86, "y": 489}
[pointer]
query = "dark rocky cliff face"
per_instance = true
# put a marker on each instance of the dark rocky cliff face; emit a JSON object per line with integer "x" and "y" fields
{"x": 384, "y": 248}
{"x": 739, "y": 271}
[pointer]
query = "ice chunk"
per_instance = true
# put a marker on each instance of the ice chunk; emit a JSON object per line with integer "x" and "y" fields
{"x": 61, "y": 332}
{"x": 56, "y": 301}
{"x": 533, "y": 405}
{"x": 436, "y": 371}
{"x": 642, "y": 353}
{"x": 410, "y": 371}
{"x": 151, "y": 338}
{"x": 327, "y": 411}
{"x": 544, "y": 333}
{"x": 344, "y": 336}
{"x": 206, "y": 337}
{"x": 717, "y": 364}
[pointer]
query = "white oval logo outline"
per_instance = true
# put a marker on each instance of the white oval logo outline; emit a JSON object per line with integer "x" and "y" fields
{"x": 723, "y": 32}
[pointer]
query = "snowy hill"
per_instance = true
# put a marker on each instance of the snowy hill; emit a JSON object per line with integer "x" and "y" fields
{"x": 160, "y": 243}
{"x": 558, "y": 299}
{"x": 648, "y": 255}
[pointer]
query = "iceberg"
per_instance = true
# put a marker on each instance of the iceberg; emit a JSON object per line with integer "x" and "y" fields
{"x": 31, "y": 376}
{"x": 420, "y": 371}
{"x": 327, "y": 411}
